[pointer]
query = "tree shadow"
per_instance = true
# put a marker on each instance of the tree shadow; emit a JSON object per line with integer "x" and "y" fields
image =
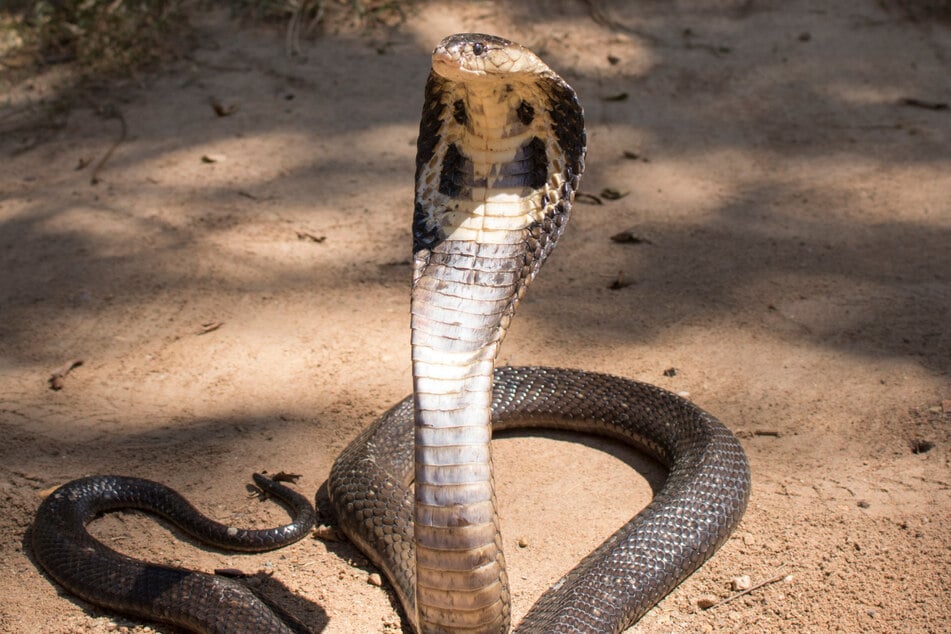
{"x": 773, "y": 228}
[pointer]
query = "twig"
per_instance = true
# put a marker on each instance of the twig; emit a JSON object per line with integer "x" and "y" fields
{"x": 921, "y": 103}
{"x": 759, "y": 585}
{"x": 110, "y": 112}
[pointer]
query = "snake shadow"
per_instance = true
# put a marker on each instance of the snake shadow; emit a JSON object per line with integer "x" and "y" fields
{"x": 344, "y": 550}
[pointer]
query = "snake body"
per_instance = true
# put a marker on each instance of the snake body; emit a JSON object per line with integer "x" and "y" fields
{"x": 500, "y": 154}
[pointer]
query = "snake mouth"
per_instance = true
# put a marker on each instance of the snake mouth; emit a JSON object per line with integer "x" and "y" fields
{"x": 477, "y": 57}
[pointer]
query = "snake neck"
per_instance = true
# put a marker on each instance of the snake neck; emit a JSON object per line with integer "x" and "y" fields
{"x": 460, "y": 297}
{"x": 465, "y": 291}
{"x": 493, "y": 192}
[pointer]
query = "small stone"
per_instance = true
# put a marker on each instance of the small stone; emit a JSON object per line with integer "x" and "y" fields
{"x": 212, "y": 158}
{"x": 863, "y": 504}
{"x": 522, "y": 542}
{"x": 374, "y": 579}
{"x": 326, "y": 534}
{"x": 707, "y": 601}
{"x": 743, "y": 582}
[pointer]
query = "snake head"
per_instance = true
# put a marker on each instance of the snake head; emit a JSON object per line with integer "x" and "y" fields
{"x": 476, "y": 56}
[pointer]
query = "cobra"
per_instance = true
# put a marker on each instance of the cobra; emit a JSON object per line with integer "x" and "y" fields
{"x": 500, "y": 155}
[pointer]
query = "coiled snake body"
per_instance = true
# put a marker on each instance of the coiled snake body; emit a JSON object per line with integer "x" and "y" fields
{"x": 500, "y": 155}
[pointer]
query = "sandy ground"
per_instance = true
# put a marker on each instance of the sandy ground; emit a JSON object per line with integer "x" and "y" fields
{"x": 794, "y": 268}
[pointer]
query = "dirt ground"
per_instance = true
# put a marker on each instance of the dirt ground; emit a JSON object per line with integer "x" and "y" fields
{"x": 237, "y": 288}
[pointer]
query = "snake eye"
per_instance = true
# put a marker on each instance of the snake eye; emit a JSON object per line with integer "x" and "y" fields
{"x": 478, "y": 48}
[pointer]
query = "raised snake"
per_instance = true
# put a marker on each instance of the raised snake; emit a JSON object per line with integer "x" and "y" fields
{"x": 500, "y": 154}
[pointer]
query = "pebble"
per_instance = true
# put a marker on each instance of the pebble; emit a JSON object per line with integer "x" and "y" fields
{"x": 374, "y": 579}
{"x": 743, "y": 582}
{"x": 327, "y": 534}
{"x": 522, "y": 542}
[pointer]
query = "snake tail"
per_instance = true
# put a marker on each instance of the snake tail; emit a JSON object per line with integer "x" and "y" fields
{"x": 193, "y": 600}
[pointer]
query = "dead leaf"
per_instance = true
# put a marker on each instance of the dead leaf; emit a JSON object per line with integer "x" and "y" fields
{"x": 612, "y": 194}
{"x": 309, "y": 237}
{"x": 619, "y": 282}
{"x": 634, "y": 156}
{"x": 582, "y": 197}
{"x": 626, "y": 237}
{"x": 210, "y": 326}
{"x": 221, "y": 109}
{"x": 56, "y": 379}
{"x": 281, "y": 476}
